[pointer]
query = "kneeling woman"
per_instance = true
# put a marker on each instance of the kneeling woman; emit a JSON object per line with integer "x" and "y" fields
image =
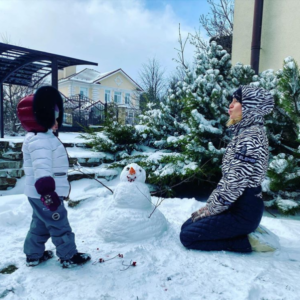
{"x": 235, "y": 207}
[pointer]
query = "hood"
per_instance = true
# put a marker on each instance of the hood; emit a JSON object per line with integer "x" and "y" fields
{"x": 44, "y": 101}
{"x": 256, "y": 103}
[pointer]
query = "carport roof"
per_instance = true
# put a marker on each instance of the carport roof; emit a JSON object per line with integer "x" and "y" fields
{"x": 23, "y": 66}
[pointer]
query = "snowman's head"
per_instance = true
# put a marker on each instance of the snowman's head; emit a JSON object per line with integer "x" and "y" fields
{"x": 133, "y": 172}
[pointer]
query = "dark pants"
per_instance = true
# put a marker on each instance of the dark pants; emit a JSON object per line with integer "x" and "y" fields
{"x": 228, "y": 230}
{"x": 46, "y": 224}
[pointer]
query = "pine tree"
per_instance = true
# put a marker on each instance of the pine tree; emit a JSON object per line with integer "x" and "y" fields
{"x": 191, "y": 120}
{"x": 283, "y": 131}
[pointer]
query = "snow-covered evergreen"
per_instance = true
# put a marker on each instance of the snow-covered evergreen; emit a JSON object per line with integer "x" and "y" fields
{"x": 283, "y": 130}
{"x": 191, "y": 120}
{"x": 188, "y": 128}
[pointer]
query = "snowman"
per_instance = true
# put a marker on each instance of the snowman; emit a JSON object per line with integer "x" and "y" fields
{"x": 127, "y": 217}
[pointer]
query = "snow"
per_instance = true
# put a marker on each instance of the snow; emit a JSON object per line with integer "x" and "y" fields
{"x": 279, "y": 165}
{"x": 286, "y": 204}
{"x": 65, "y": 137}
{"x": 127, "y": 218}
{"x": 86, "y": 75}
{"x": 164, "y": 268}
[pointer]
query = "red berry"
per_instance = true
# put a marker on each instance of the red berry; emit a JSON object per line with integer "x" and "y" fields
{"x": 134, "y": 264}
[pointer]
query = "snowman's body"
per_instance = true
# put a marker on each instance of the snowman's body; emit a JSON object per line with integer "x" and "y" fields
{"x": 126, "y": 218}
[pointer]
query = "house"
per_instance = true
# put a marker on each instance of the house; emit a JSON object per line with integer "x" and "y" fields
{"x": 115, "y": 87}
{"x": 279, "y": 32}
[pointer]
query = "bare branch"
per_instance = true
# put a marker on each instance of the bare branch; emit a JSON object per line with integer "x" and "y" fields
{"x": 180, "y": 52}
{"x": 152, "y": 79}
{"x": 219, "y": 22}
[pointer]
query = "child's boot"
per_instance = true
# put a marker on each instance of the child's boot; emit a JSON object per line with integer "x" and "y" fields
{"x": 75, "y": 260}
{"x": 32, "y": 262}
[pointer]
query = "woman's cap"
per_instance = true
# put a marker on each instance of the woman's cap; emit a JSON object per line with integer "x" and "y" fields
{"x": 238, "y": 94}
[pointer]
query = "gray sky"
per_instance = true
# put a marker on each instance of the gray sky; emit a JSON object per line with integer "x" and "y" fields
{"x": 114, "y": 33}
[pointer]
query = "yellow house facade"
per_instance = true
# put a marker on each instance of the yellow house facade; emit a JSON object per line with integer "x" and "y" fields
{"x": 279, "y": 34}
{"x": 111, "y": 87}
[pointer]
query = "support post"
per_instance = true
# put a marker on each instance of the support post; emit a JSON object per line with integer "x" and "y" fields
{"x": 256, "y": 34}
{"x": 1, "y": 111}
{"x": 54, "y": 80}
{"x": 105, "y": 111}
{"x": 54, "y": 75}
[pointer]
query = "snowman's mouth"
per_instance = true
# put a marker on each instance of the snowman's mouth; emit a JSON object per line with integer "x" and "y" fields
{"x": 130, "y": 179}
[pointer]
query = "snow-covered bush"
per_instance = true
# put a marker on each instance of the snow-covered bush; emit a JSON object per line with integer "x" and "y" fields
{"x": 283, "y": 132}
{"x": 114, "y": 138}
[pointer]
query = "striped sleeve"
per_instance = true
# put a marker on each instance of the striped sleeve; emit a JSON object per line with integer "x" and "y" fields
{"x": 240, "y": 171}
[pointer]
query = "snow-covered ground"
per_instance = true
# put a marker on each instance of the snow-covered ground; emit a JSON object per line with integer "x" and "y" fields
{"x": 164, "y": 268}
{"x": 67, "y": 137}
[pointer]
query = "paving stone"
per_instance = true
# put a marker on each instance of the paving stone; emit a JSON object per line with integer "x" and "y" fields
{"x": 68, "y": 144}
{"x": 4, "y": 146}
{"x": 10, "y": 164}
{"x": 80, "y": 145}
{"x": 17, "y": 173}
{"x": 7, "y": 182}
{"x": 16, "y": 146}
{"x": 12, "y": 155}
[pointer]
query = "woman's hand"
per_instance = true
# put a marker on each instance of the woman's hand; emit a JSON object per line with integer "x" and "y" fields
{"x": 200, "y": 214}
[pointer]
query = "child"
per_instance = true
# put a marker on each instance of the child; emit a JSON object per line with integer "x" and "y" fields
{"x": 46, "y": 166}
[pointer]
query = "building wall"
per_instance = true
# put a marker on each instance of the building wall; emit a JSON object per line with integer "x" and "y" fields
{"x": 65, "y": 90}
{"x": 117, "y": 82}
{"x": 66, "y": 72}
{"x": 242, "y": 31}
{"x": 280, "y": 30}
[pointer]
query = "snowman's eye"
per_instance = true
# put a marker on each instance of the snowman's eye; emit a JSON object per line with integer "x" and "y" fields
{"x": 140, "y": 170}
{"x": 127, "y": 168}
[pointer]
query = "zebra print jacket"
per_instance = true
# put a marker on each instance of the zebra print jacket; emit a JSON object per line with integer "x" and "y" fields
{"x": 245, "y": 161}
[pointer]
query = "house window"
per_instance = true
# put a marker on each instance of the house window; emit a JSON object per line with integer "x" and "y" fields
{"x": 67, "y": 119}
{"x": 83, "y": 92}
{"x": 127, "y": 98}
{"x": 107, "y": 96}
{"x": 118, "y": 97}
{"x": 129, "y": 117}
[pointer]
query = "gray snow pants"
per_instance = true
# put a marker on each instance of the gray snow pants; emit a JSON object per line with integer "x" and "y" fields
{"x": 46, "y": 224}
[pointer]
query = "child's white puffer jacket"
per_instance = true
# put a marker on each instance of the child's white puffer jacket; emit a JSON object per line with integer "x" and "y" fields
{"x": 44, "y": 155}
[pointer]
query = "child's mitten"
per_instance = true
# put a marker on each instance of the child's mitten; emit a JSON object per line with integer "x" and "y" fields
{"x": 45, "y": 186}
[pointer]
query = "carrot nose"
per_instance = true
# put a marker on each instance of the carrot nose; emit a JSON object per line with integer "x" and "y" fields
{"x": 132, "y": 171}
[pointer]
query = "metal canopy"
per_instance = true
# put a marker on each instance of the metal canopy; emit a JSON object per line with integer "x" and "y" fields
{"x": 26, "y": 67}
